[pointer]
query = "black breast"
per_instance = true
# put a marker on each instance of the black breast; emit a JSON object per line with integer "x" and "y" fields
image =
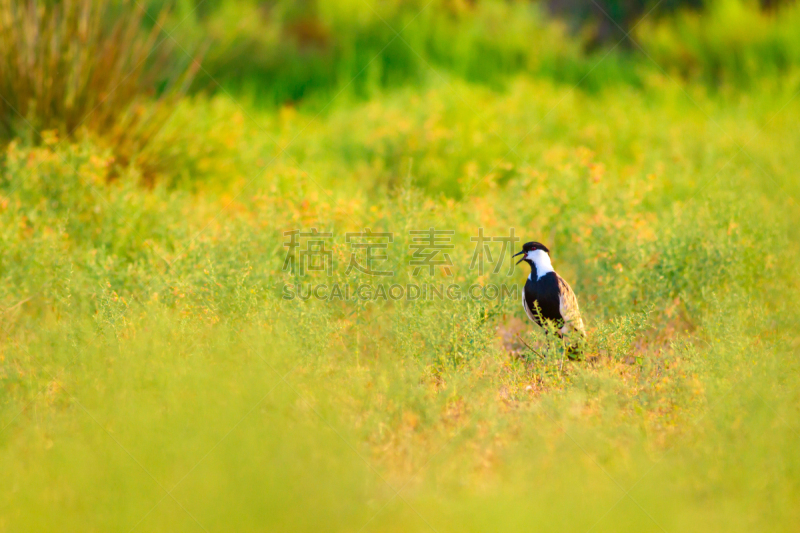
{"x": 543, "y": 292}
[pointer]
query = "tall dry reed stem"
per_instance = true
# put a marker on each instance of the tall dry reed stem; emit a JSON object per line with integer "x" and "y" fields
{"x": 88, "y": 66}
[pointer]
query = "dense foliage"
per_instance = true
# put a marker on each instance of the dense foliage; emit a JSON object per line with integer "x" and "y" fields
{"x": 79, "y": 65}
{"x": 154, "y": 377}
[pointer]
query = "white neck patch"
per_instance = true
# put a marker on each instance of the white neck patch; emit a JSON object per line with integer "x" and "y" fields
{"x": 542, "y": 262}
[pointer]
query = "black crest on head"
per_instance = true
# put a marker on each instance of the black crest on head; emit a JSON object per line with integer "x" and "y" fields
{"x": 533, "y": 245}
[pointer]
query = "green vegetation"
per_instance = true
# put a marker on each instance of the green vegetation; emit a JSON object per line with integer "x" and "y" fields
{"x": 152, "y": 377}
{"x": 731, "y": 43}
{"x": 77, "y": 66}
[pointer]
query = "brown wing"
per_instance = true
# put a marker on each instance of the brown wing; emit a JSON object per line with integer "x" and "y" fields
{"x": 568, "y": 307}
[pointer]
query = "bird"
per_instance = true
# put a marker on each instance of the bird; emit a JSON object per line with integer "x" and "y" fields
{"x": 547, "y": 297}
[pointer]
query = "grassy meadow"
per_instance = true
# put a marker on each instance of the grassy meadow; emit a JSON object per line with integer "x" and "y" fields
{"x": 154, "y": 376}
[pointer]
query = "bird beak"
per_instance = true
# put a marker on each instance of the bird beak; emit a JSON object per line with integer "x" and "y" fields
{"x": 523, "y": 258}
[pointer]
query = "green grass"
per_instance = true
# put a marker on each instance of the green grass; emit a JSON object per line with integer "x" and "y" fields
{"x": 80, "y": 67}
{"x": 152, "y": 377}
{"x": 310, "y": 50}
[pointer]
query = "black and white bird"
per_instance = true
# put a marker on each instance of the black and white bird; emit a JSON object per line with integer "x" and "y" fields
{"x": 547, "y": 297}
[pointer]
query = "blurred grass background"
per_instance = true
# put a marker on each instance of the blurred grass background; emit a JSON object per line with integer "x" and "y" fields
{"x": 153, "y": 155}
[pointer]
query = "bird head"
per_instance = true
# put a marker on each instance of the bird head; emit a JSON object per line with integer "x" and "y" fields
{"x": 532, "y": 250}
